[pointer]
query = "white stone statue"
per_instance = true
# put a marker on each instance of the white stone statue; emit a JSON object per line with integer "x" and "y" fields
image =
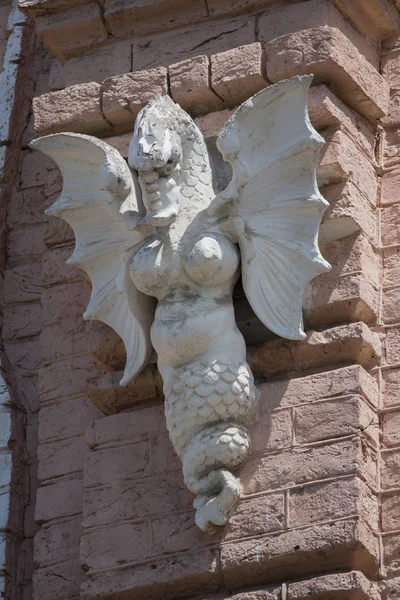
{"x": 182, "y": 243}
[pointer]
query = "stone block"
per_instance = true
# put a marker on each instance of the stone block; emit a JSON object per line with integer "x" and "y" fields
{"x": 339, "y": 300}
{"x": 188, "y": 574}
{"x": 55, "y": 269}
{"x": 65, "y": 418}
{"x": 76, "y": 108}
{"x": 239, "y": 73}
{"x": 66, "y": 378}
{"x": 163, "y": 457}
{"x": 97, "y": 65}
{"x": 335, "y": 418}
{"x": 273, "y": 431}
{"x": 150, "y": 497}
{"x": 35, "y": 169}
{"x": 343, "y": 545}
{"x": 390, "y": 219}
{"x": 124, "y": 95}
{"x": 390, "y": 187}
{"x": 61, "y": 458}
{"x": 59, "y": 499}
{"x": 346, "y": 586}
{"x": 190, "y": 87}
{"x": 25, "y": 246}
{"x": 354, "y": 343}
{"x": 393, "y": 115}
{"x": 26, "y": 208}
{"x": 391, "y": 264}
{"x": 392, "y": 346}
{"x": 143, "y": 17}
{"x": 293, "y": 18}
{"x": 334, "y": 383}
{"x": 21, "y": 321}
{"x": 390, "y": 471}
{"x": 55, "y": 542}
{"x": 72, "y": 31}
{"x": 391, "y": 429}
{"x": 328, "y": 54}
{"x": 342, "y": 160}
{"x": 112, "y": 546}
{"x": 349, "y": 212}
{"x": 130, "y": 461}
{"x": 173, "y": 46}
{"x": 61, "y": 580}
{"x": 391, "y": 554}
{"x": 305, "y": 464}
{"x": 109, "y": 397}
{"x": 320, "y": 502}
{"x": 390, "y": 306}
{"x": 39, "y": 7}
{"x": 326, "y": 110}
{"x": 390, "y": 511}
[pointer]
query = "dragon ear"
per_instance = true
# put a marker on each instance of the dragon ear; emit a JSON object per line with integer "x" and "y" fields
{"x": 96, "y": 182}
{"x": 273, "y": 150}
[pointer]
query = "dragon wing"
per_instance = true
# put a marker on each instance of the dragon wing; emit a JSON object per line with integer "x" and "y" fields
{"x": 276, "y": 207}
{"x": 96, "y": 182}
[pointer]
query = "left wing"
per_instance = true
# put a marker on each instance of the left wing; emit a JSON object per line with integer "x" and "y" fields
{"x": 276, "y": 206}
{"x": 98, "y": 187}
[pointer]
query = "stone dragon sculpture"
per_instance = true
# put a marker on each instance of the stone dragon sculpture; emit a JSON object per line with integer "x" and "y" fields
{"x": 180, "y": 242}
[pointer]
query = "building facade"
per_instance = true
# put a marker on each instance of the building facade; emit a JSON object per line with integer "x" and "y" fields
{"x": 93, "y": 504}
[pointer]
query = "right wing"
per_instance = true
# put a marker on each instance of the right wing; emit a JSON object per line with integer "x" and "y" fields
{"x": 96, "y": 181}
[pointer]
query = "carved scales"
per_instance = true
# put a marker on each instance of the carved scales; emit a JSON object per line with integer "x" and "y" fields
{"x": 178, "y": 241}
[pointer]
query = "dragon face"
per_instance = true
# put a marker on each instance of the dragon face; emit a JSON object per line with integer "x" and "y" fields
{"x": 155, "y": 152}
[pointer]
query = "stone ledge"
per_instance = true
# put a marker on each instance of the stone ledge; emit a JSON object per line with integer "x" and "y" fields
{"x": 342, "y": 586}
{"x": 354, "y": 343}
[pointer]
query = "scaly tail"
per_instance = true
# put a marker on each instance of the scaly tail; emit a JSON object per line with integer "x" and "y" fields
{"x": 208, "y": 404}
{"x": 208, "y": 460}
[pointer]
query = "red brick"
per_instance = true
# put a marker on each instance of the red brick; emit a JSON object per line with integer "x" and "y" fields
{"x": 335, "y": 418}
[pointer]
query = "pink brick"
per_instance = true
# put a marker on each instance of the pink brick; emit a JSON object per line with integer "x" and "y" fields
{"x": 391, "y": 387}
{"x": 331, "y": 384}
{"x": 59, "y": 499}
{"x": 60, "y": 458}
{"x": 73, "y": 31}
{"x": 114, "y": 545}
{"x": 303, "y": 465}
{"x": 130, "y": 461}
{"x": 390, "y": 469}
{"x": 190, "y": 86}
{"x": 331, "y": 501}
{"x": 327, "y": 53}
{"x": 237, "y": 74}
{"x": 76, "y": 108}
{"x": 148, "y": 17}
{"x": 335, "y": 418}
{"x": 57, "y": 541}
{"x": 273, "y": 431}
{"x": 391, "y": 554}
{"x": 124, "y": 95}
{"x": 136, "y": 499}
{"x": 390, "y": 511}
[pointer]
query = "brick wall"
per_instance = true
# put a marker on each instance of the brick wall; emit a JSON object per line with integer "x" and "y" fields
{"x": 321, "y": 509}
